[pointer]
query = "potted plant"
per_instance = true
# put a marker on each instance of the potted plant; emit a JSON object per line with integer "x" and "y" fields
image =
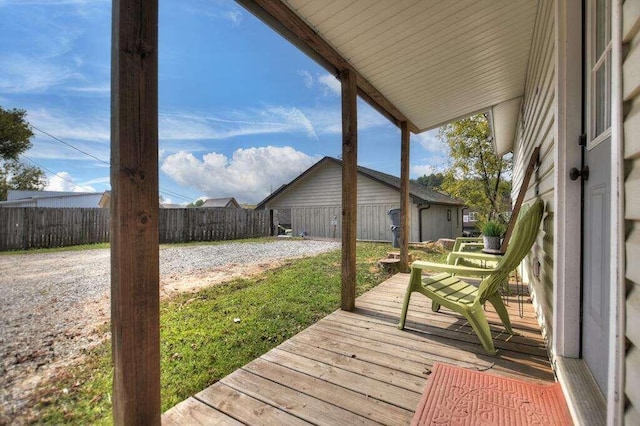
{"x": 492, "y": 231}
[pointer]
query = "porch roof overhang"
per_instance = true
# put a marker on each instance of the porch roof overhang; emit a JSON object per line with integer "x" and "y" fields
{"x": 424, "y": 62}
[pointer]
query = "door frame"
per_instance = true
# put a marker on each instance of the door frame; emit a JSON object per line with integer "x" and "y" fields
{"x": 567, "y": 225}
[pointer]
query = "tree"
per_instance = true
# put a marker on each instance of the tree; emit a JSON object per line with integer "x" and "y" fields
{"x": 476, "y": 174}
{"x": 15, "y": 138}
{"x": 197, "y": 203}
{"x": 434, "y": 180}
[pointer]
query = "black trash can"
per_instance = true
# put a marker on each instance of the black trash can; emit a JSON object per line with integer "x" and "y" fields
{"x": 394, "y": 214}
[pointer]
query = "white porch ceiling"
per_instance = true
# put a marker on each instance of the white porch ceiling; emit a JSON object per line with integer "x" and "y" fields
{"x": 436, "y": 61}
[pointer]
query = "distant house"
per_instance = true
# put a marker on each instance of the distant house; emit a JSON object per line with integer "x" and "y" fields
{"x": 106, "y": 200}
{"x": 60, "y": 199}
{"x": 311, "y": 205}
{"x": 470, "y": 222}
{"x": 229, "y": 203}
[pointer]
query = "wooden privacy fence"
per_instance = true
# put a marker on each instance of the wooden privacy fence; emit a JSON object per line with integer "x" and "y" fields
{"x": 37, "y": 227}
{"x": 212, "y": 224}
{"x": 31, "y": 227}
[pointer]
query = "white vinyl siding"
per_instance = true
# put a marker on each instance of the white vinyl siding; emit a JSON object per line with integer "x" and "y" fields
{"x": 316, "y": 199}
{"x": 631, "y": 137}
{"x": 536, "y": 128}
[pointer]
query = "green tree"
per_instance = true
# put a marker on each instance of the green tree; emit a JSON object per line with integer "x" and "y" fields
{"x": 197, "y": 203}
{"x": 434, "y": 180}
{"x": 476, "y": 174}
{"x": 15, "y": 138}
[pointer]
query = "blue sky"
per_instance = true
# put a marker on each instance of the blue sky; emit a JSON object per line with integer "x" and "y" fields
{"x": 241, "y": 110}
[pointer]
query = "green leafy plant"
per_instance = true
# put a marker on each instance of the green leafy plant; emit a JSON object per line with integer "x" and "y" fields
{"x": 492, "y": 228}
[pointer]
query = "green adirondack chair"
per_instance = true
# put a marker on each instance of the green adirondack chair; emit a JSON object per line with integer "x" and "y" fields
{"x": 447, "y": 289}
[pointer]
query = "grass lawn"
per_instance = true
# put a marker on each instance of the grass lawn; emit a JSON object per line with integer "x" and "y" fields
{"x": 98, "y": 246}
{"x": 201, "y": 340}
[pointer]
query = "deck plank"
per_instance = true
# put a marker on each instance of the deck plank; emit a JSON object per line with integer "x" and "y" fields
{"x": 358, "y": 368}
{"x": 356, "y": 402}
{"x": 512, "y": 362}
{"x": 350, "y": 362}
{"x": 446, "y": 318}
{"x": 365, "y": 385}
{"x": 245, "y": 408}
{"x": 288, "y": 400}
{"x": 194, "y": 412}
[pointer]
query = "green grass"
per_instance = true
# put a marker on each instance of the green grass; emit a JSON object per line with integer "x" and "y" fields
{"x": 57, "y": 249}
{"x": 215, "y": 243}
{"x": 107, "y": 245}
{"x": 200, "y": 341}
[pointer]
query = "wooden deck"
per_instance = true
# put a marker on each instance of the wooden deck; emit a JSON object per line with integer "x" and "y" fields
{"x": 358, "y": 368}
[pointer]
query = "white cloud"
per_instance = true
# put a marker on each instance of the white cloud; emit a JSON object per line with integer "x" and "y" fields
{"x": 430, "y": 142}
{"x": 249, "y": 175}
{"x": 63, "y": 182}
{"x": 93, "y": 90}
{"x": 307, "y": 78}
{"x": 234, "y": 16}
{"x": 423, "y": 169}
{"x": 102, "y": 180}
{"x": 295, "y": 117}
{"x": 331, "y": 84}
{"x": 21, "y": 74}
{"x": 72, "y": 126}
{"x": 88, "y": 133}
{"x": 276, "y": 119}
{"x": 435, "y": 158}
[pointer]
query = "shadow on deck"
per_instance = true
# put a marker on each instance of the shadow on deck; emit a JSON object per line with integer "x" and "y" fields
{"x": 358, "y": 368}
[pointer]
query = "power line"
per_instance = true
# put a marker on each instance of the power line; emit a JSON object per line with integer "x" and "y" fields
{"x": 175, "y": 194}
{"x": 56, "y": 174}
{"x": 166, "y": 191}
{"x": 70, "y": 146}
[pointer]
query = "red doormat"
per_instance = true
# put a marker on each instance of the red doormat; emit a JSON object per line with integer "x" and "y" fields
{"x": 457, "y": 396}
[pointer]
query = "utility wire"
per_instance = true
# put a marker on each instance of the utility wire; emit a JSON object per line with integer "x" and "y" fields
{"x": 70, "y": 146}
{"x": 166, "y": 191}
{"x": 56, "y": 174}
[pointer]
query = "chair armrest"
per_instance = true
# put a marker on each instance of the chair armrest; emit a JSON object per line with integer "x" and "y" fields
{"x": 466, "y": 271}
{"x": 454, "y": 256}
{"x": 465, "y": 240}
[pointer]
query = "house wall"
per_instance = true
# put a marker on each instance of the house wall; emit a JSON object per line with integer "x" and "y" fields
{"x": 631, "y": 137}
{"x": 536, "y": 128}
{"x": 17, "y": 194}
{"x": 435, "y": 222}
{"x": 316, "y": 200}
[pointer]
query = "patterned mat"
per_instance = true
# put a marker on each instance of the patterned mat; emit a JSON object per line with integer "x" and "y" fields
{"x": 457, "y": 396}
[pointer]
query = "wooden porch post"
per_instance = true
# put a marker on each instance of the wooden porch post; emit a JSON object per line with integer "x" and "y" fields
{"x": 349, "y": 187}
{"x": 135, "y": 295}
{"x": 404, "y": 197}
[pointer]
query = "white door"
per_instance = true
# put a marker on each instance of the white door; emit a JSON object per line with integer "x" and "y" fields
{"x": 597, "y": 192}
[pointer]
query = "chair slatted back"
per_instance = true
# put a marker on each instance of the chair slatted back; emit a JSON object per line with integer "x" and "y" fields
{"x": 524, "y": 235}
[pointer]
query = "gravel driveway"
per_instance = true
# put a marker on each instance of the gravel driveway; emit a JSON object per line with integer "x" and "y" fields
{"x": 54, "y": 306}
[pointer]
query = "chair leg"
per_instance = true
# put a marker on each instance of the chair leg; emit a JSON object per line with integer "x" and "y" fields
{"x": 478, "y": 321}
{"x": 498, "y": 304}
{"x": 435, "y": 306}
{"x": 415, "y": 280}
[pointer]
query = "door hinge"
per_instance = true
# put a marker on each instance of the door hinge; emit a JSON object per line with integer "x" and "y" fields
{"x": 582, "y": 139}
